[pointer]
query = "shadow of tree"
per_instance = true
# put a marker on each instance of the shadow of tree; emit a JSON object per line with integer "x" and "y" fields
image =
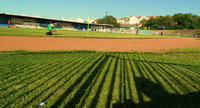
{"x": 160, "y": 98}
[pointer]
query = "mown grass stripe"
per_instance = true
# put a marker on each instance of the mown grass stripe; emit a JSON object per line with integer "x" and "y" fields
{"x": 132, "y": 85}
{"x": 136, "y": 74}
{"x": 22, "y": 70}
{"x": 25, "y": 59}
{"x": 55, "y": 64}
{"x": 73, "y": 72}
{"x": 157, "y": 75}
{"x": 128, "y": 78}
{"x": 26, "y": 70}
{"x": 144, "y": 76}
{"x": 100, "y": 79}
{"x": 34, "y": 73}
{"x": 140, "y": 66}
{"x": 187, "y": 72}
{"x": 59, "y": 78}
{"x": 172, "y": 79}
{"x": 159, "y": 78}
{"x": 88, "y": 84}
{"x": 77, "y": 83}
{"x": 146, "y": 71}
{"x": 104, "y": 96}
{"x": 8, "y": 87}
{"x": 169, "y": 85}
{"x": 162, "y": 71}
{"x": 110, "y": 94}
{"x": 124, "y": 79}
{"x": 93, "y": 100}
{"x": 183, "y": 80}
{"x": 116, "y": 88}
{"x": 24, "y": 88}
{"x": 92, "y": 96}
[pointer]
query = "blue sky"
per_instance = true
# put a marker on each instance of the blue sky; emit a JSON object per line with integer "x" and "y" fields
{"x": 73, "y": 9}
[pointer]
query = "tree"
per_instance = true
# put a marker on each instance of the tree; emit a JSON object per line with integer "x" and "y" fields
{"x": 143, "y": 22}
{"x": 177, "y": 21}
{"x": 193, "y": 22}
{"x": 109, "y": 20}
{"x": 186, "y": 21}
{"x": 167, "y": 21}
{"x": 153, "y": 23}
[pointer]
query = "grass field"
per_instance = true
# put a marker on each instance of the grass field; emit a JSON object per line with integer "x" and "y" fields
{"x": 67, "y": 33}
{"x": 100, "y": 79}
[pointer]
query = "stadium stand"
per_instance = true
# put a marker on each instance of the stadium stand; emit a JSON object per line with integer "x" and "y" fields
{"x": 20, "y": 21}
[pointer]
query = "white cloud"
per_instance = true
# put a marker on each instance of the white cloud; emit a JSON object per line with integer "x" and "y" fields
{"x": 23, "y": 14}
{"x": 80, "y": 20}
{"x": 71, "y": 20}
{"x": 63, "y": 19}
{"x": 36, "y": 16}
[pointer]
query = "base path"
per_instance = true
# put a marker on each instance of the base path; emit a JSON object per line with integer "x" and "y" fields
{"x": 97, "y": 44}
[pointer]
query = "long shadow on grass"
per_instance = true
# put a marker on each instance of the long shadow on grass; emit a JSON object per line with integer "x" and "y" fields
{"x": 160, "y": 98}
{"x": 112, "y": 84}
{"x": 184, "y": 65}
{"x": 194, "y": 68}
{"x": 86, "y": 84}
{"x": 92, "y": 78}
{"x": 174, "y": 78}
{"x": 100, "y": 87}
{"x": 59, "y": 79}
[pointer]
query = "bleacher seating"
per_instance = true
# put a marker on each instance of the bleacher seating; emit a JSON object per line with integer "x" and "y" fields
{"x": 5, "y": 25}
{"x": 3, "y": 20}
{"x": 44, "y": 25}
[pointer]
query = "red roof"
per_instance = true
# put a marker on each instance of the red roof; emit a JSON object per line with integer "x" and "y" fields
{"x": 122, "y": 18}
{"x": 150, "y": 17}
{"x": 96, "y": 20}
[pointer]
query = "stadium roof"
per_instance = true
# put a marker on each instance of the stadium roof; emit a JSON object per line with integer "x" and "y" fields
{"x": 33, "y": 17}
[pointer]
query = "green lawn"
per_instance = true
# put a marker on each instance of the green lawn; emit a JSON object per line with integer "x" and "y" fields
{"x": 100, "y": 79}
{"x": 67, "y": 33}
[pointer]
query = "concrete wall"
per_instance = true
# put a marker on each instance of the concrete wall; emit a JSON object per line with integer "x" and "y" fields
{"x": 175, "y": 32}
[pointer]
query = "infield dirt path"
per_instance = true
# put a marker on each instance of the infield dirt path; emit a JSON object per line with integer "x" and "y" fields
{"x": 97, "y": 44}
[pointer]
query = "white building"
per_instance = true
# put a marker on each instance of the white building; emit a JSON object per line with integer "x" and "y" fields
{"x": 94, "y": 21}
{"x": 133, "y": 20}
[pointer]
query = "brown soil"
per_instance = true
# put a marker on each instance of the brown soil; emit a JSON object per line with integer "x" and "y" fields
{"x": 50, "y": 43}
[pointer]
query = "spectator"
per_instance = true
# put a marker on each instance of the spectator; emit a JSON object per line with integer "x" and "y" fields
{"x": 137, "y": 31}
{"x": 9, "y": 23}
{"x": 179, "y": 34}
{"x": 156, "y": 33}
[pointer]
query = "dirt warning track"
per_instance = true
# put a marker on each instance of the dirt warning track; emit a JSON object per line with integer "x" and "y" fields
{"x": 97, "y": 44}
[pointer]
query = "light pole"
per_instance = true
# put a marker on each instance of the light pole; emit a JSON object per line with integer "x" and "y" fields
{"x": 88, "y": 26}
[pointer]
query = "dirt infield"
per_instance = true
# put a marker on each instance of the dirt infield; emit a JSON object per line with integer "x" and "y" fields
{"x": 49, "y": 43}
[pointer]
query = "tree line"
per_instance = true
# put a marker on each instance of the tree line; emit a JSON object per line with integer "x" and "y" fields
{"x": 178, "y": 21}
{"x": 109, "y": 20}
